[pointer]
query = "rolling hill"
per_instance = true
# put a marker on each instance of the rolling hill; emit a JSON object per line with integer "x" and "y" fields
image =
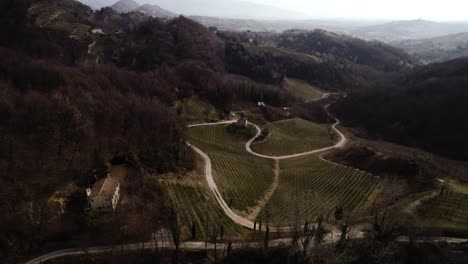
{"x": 373, "y": 54}
{"x": 426, "y": 109}
{"x": 436, "y": 49}
{"x": 155, "y": 11}
{"x": 408, "y": 29}
{"x": 226, "y": 9}
{"x": 125, "y": 6}
{"x": 98, "y": 4}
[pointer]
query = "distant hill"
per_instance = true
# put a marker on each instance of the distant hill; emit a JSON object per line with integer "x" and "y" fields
{"x": 155, "y": 11}
{"x": 280, "y": 25}
{"x": 227, "y": 9}
{"x": 125, "y": 6}
{"x": 374, "y": 54}
{"x": 97, "y": 4}
{"x": 436, "y": 49}
{"x": 426, "y": 109}
{"x": 411, "y": 29}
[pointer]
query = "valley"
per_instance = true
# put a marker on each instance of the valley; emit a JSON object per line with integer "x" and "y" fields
{"x": 133, "y": 134}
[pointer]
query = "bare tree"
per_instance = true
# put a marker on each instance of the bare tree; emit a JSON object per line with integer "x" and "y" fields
{"x": 307, "y": 235}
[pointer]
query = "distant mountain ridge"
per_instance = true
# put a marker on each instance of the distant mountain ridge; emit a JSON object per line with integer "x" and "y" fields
{"x": 97, "y": 4}
{"x": 227, "y": 9}
{"x": 408, "y": 29}
{"x": 375, "y": 54}
{"x": 125, "y": 6}
{"x": 436, "y": 49}
{"x": 155, "y": 11}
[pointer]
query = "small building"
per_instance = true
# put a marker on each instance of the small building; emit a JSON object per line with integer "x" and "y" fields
{"x": 104, "y": 196}
{"x": 97, "y": 31}
{"x": 242, "y": 121}
{"x": 261, "y": 104}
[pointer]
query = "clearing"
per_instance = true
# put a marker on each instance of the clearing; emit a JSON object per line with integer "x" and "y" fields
{"x": 303, "y": 90}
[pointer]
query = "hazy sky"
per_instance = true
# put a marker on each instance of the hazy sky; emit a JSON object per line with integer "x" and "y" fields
{"x": 442, "y": 10}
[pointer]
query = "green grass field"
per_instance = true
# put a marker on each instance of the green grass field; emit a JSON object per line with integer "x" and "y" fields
{"x": 293, "y": 136}
{"x": 242, "y": 178}
{"x": 276, "y": 52}
{"x": 449, "y": 211}
{"x": 193, "y": 110}
{"x": 302, "y": 89}
{"x": 309, "y": 186}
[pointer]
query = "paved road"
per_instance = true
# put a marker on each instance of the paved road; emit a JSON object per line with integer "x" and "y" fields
{"x": 200, "y": 245}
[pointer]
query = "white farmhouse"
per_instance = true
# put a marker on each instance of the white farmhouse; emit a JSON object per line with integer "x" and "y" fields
{"x": 104, "y": 195}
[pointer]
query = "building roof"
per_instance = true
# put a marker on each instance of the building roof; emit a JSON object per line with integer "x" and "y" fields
{"x": 104, "y": 187}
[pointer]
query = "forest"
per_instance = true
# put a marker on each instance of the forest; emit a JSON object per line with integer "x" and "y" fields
{"x": 72, "y": 100}
{"x": 424, "y": 109}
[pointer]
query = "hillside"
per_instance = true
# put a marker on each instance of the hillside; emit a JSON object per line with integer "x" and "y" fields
{"x": 409, "y": 29}
{"x": 436, "y": 49}
{"x": 155, "y": 11}
{"x": 374, "y": 54}
{"x": 226, "y": 9}
{"x": 98, "y": 4}
{"x": 327, "y": 60}
{"x": 125, "y": 6}
{"x": 424, "y": 110}
{"x": 280, "y": 25}
{"x": 80, "y": 88}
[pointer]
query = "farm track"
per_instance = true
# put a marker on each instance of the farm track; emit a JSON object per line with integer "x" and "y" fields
{"x": 356, "y": 231}
{"x": 245, "y": 222}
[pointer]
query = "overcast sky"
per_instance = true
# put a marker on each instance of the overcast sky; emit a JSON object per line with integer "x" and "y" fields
{"x": 441, "y": 10}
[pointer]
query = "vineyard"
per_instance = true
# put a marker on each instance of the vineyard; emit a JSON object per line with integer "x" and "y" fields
{"x": 195, "y": 204}
{"x": 241, "y": 178}
{"x": 302, "y": 89}
{"x": 309, "y": 186}
{"x": 292, "y": 136}
{"x": 449, "y": 210}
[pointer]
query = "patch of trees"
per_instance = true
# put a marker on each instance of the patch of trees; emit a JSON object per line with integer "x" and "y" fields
{"x": 154, "y": 42}
{"x": 331, "y": 73}
{"x": 424, "y": 110}
{"x": 54, "y": 118}
{"x": 20, "y": 33}
{"x": 374, "y": 54}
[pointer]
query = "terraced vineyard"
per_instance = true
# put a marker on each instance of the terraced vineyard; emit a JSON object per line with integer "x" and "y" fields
{"x": 293, "y": 136}
{"x": 309, "y": 186}
{"x": 241, "y": 178}
{"x": 194, "y": 204}
{"x": 448, "y": 210}
{"x": 302, "y": 89}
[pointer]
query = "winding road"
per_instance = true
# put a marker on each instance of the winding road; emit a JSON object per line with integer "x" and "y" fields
{"x": 243, "y": 221}
{"x": 356, "y": 232}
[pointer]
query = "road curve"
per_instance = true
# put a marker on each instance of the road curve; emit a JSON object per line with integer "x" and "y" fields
{"x": 167, "y": 244}
{"x": 214, "y": 189}
{"x": 209, "y": 171}
{"x": 339, "y": 144}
